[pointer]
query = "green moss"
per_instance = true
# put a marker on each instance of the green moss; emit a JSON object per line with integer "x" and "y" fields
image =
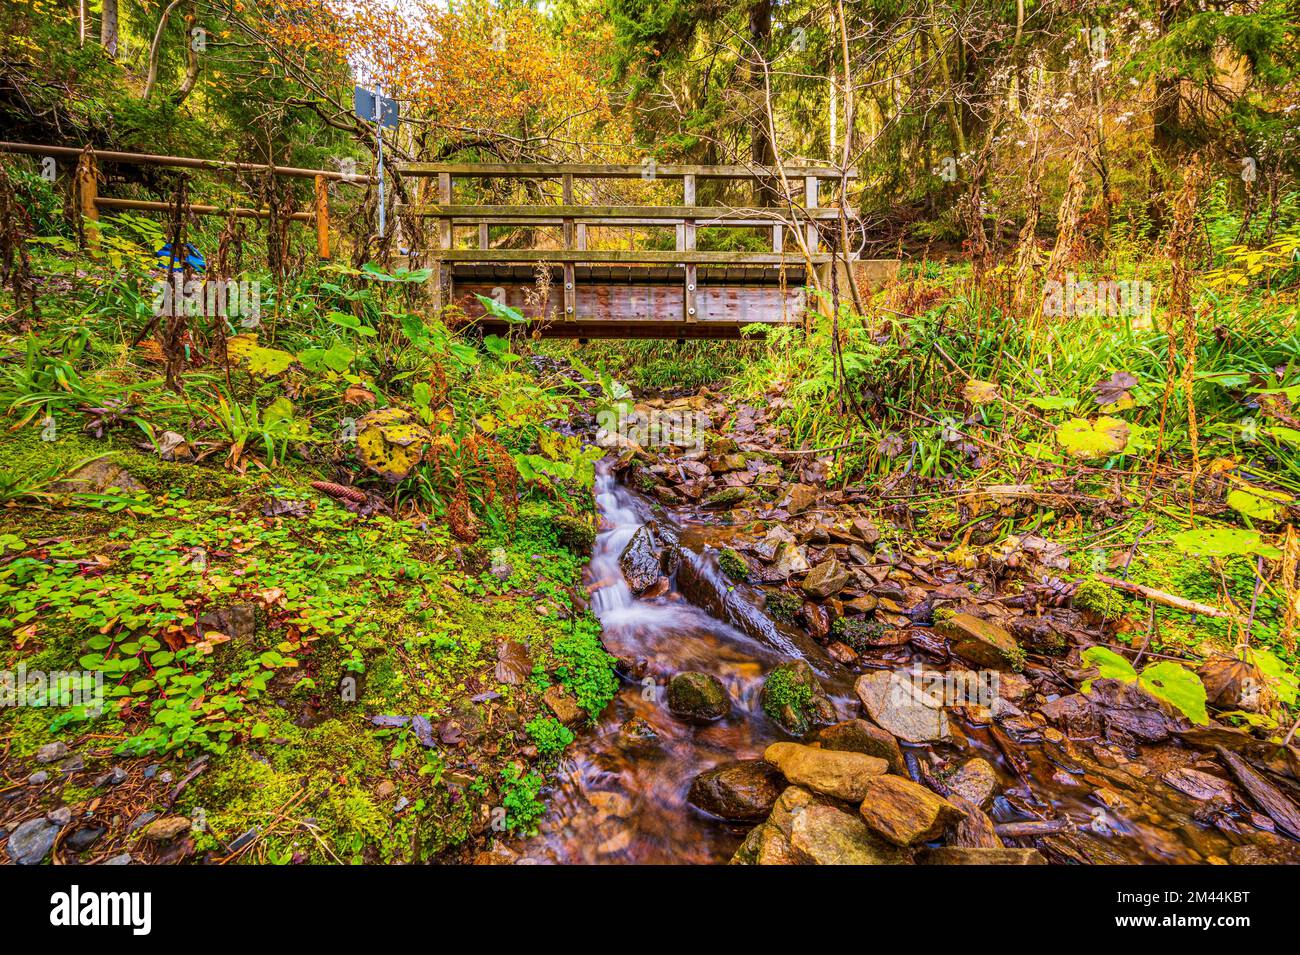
{"x": 733, "y": 565}
{"x": 783, "y": 689}
{"x": 1101, "y": 599}
{"x": 575, "y": 533}
{"x": 782, "y": 606}
{"x": 940, "y": 614}
{"x": 860, "y": 633}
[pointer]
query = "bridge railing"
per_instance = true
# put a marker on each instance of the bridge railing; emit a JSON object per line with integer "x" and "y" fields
{"x": 576, "y": 221}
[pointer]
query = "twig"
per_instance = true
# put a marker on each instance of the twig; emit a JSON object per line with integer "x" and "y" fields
{"x": 1168, "y": 600}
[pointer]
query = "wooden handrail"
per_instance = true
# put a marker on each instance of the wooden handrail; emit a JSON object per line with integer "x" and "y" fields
{"x": 719, "y": 214}
{"x": 184, "y": 162}
{"x": 623, "y": 256}
{"x": 611, "y": 171}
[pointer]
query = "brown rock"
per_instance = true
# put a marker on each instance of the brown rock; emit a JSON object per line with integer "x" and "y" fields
{"x": 982, "y": 642}
{"x": 904, "y": 812}
{"x": 741, "y": 790}
{"x": 825, "y": 580}
{"x": 167, "y": 828}
{"x": 859, "y": 736}
{"x": 836, "y": 773}
{"x": 802, "y": 497}
{"x": 562, "y": 704}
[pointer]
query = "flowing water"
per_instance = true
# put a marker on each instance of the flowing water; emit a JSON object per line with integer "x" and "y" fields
{"x": 620, "y": 795}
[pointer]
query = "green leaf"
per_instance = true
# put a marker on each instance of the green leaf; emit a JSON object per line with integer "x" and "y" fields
{"x": 1110, "y": 666}
{"x": 1179, "y": 686}
{"x": 1258, "y": 503}
{"x": 1224, "y": 542}
{"x": 1100, "y": 438}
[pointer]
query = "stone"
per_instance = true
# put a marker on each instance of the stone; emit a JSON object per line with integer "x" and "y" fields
{"x": 385, "y": 789}
{"x": 957, "y": 855}
{"x": 123, "y": 859}
{"x": 802, "y": 497}
{"x": 789, "y": 560}
{"x": 1073, "y": 714}
{"x": 562, "y": 704}
{"x": 167, "y": 828}
{"x": 737, "y": 791}
{"x": 898, "y": 705}
{"x": 794, "y": 698}
{"x": 640, "y": 560}
{"x": 32, "y": 841}
{"x": 859, "y": 736}
{"x": 839, "y": 774}
{"x": 52, "y": 752}
{"x": 637, "y": 737}
{"x": 726, "y": 498}
{"x": 825, "y": 835}
{"x": 83, "y": 839}
{"x": 97, "y": 477}
{"x": 114, "y": 777}
{"x": 825, "y": 580}
{"x": 1196, "y": 784}
{"x": 905, "y": 813}
{"x": 766, "y": 845}
{"x": 981, "y": 642}
{"x": 60, "y": 816}
{"x": 776, "y": 536}
{"x": 238, "y": 621}
{"x": 38, "y": 778}
{"x": 697, "y": 697}
{"x": 976, "y": 781}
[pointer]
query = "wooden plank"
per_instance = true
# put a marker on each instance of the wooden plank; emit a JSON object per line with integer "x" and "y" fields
{"x": 570, "y": 283}
{"x": 145, "y": 205}
{"x": 609, "y": 222}
{"x": 625, "y": 256}
{"x": 610, "y": 171}
{"x": 721, "y": 214}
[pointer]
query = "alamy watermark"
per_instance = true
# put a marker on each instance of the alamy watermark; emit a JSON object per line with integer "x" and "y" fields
{"x": 678, "y": 428}
{"x": 55, "y": 688}
{"x": 1085, "y": 297}
{"x": 210, "y": 298}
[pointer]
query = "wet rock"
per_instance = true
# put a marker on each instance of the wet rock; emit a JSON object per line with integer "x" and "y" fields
{"x": 956, "y": 855}
{"x": 840, "y": 774}
{"x": 697, "y": 697}
{"x": 637, "y": 737}
{"x": 1266, "y": 849}
{"x": 726, "y": 498}
{"x": 766, "y": 548}
{"x": 640, "y": 560}
{"x": 825, "y": 580}
{"x": 739, "y": 791}
{"x": 905, "y": 813}
{"x": 789, "y": 561}
{"x": 1074, "y": 715}
{"x": 802, "y": 497}
{"x": 981, "y": 642}
{"x": 562, "y": 704}
{"x": 793, "y": 697}
{"x": 841, "y": 653}
{"x": 859, "y": 736}
{"x": 976, "y": 781}
{"x": 816, "y": 619}
{"x": 166, "y": 829}
{"x": 52, "y": 752}
{"x": 826, "y": 835}
{"x": 766, "y": 845}
{"x": 1198, "y": 785}
{"x": 895, "y": 703}
{"x": 975, "y": 830}
{"x": 32, "y": 841}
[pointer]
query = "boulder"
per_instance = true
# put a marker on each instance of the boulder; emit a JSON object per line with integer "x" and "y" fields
{"x": 836, "y": 773}
{"x": 737, "y": 791}
{"x": 859, "y": 736}
{"x": 825, "y": 580}
{"x": 826, "y": 835}
{"x": 896, "y": 703}
{"x": 905, "y": 813}
{"x": 981, "y": 642}
{"x": 640, "y": 560}
{"x": 794, "y": 698}
{"x": 697, "y": 697}
{"x": 956, "y": 855}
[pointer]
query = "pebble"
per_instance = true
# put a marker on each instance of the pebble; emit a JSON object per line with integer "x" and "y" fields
{"x": 114, "y": 777}
{"x": 39, "y": 778}
{"x": 83, "y": 839}
{"x": 51, "y": 752}
{"x": 60, "y": 817}
{"x": 123, "y": 859}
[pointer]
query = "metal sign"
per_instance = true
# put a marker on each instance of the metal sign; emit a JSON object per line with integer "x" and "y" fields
{"x": 365, "y": 103}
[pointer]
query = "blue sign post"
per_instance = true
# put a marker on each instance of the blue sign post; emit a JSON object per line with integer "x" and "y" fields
{"x": 382, "y": 111}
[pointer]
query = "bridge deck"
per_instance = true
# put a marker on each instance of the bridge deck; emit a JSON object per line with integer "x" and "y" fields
{"x": 579, "y": 278}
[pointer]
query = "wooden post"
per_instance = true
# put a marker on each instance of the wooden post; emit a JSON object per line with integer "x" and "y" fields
{"x": 688, "y": 245}
{"x": 322, "y": 218}
{"x": 570, "y": 282}
{"x": 442, "y": 272}
{"x": 484, "y": 241}
{"x": 87, "y": 192}
{"x": 810, "y": 201}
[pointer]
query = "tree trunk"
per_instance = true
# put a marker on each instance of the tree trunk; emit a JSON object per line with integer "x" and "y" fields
{"x": 760, "y": 35}
{"x": 108, "y": 28}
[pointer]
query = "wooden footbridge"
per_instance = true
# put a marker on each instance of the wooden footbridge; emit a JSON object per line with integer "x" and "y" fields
{"x": 571, "y": 267}
{"x": 576, "y": 269}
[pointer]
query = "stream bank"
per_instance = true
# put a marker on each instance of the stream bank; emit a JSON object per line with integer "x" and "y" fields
{"x": 803, "y": 681}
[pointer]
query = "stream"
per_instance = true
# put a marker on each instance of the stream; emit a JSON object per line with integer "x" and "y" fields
{"x": 620, "y": 795}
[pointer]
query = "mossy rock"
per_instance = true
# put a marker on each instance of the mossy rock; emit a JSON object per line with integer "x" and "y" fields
{"x": 392, "y": 442}
{"x": 698, "y": 697}
{"x": 782, "y": 606}
{"x": 793, "y": 697}
{"x": 1094, "y": 597}
{"x": 575, "y": 533}
{"x": 733, "y": 565}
